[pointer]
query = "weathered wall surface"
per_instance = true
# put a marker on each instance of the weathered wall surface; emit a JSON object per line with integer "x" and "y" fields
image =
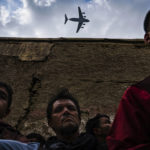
{"x": 96, "y": 71}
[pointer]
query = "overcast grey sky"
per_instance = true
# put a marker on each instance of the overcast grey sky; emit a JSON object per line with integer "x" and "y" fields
{"x": 45, "y": 18}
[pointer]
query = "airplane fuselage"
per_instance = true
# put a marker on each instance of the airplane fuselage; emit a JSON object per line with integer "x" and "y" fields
{"x": 79, "y": 20}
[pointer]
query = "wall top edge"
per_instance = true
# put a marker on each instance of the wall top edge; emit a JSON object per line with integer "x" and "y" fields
{"x": 61, "y": 39}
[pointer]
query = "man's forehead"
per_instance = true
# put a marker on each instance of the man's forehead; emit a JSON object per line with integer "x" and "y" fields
{"x": 63, "y": 102}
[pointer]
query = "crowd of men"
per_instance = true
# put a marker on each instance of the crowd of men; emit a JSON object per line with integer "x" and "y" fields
{"x": 64, "y": 117}
{"x": 130, "y": 129}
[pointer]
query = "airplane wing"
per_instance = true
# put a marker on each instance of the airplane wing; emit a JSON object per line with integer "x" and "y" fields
{"x": 80, "y": 13}
{"x": 79, "y": 26}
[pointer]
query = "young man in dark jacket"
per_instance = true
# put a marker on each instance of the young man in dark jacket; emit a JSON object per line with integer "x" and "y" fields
{"x": 99, "y": 126}
{"x": 6, "y": 130}
{"x": 64, "y": 117}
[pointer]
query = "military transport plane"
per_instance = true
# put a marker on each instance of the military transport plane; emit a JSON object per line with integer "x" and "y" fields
{"x": 81, "y": 20}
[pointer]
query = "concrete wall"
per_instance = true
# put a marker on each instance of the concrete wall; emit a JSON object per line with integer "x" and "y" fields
{"x": 96, "y": 71}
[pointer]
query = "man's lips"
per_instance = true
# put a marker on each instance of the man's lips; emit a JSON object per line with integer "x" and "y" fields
{"x": 68, "y": 118}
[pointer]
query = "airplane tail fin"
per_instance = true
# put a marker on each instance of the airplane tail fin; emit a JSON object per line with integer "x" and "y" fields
{"x": 66, "y": 19}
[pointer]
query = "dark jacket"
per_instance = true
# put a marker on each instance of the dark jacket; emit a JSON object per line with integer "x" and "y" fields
{"x": 8, "y": 132}
{"x": 102, "y": 146}
{"x": 83, "y": 142}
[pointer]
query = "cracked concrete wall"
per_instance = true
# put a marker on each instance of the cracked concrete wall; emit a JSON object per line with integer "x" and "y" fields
{"x": 96, "y": 71}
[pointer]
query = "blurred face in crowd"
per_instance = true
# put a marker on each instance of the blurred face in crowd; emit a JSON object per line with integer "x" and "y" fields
{"x": 147, "y": 38}
{"x": 64, "y": 119}
{"x": 104, "y": 127}
{"x": 3, "y": 102}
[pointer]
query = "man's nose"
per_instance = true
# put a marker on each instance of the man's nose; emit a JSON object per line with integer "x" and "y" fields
{"x": 66, "y": 110}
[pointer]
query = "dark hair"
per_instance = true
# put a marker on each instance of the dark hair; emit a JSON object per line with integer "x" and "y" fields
{"x": 147, "y": 22}
{"x": 39, "y": 138}
{"x": 94, "y": 123}
{"x": 62, "y": 94}
{"x": 9, "y": 91}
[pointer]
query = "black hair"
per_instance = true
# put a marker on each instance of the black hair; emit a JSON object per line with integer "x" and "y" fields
{"x": 39, "y": 138}
{"x": 94, "y": 123}
{"x": 61, "y": 95}
{"x": 147, "y": 22}
{"x": 9, "y": 91}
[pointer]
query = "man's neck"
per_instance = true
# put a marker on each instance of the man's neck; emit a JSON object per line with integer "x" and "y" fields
{"x": 68, "y": 138}
{"x": 2, "y": 121}
{"x": 101, "y": 139}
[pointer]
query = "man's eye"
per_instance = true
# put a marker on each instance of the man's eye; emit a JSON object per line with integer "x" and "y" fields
{"x": 71, "y": 108}
{"x": 107, "y": 122}
{"x": 58, "y": 109}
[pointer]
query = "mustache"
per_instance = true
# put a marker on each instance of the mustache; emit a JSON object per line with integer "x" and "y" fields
{"x": 66, "y": 116}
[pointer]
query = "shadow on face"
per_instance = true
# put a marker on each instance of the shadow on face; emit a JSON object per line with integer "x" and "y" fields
{"x": 104, "y": 127}
{"x": 65, "y": 118}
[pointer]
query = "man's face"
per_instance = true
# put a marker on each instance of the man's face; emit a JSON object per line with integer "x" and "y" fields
{"x": 147, "y": 38}
{"x": 64, "y": 118}
{"x": 3, "y": 102}
{"x": 105, "y": 125}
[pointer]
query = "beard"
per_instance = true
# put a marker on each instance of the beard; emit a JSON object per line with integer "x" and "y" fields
{"x": 69, "y": 129}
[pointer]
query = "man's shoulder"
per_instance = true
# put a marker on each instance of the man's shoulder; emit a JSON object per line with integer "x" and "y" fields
{"x": 6, "y": 126}
{"x": 53, "y": 143}
{"x": 86, "y": 137}
{"x": 83, "y": 142}
{"x": 9, "y": 132}
{"x": 52, "y": 139}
